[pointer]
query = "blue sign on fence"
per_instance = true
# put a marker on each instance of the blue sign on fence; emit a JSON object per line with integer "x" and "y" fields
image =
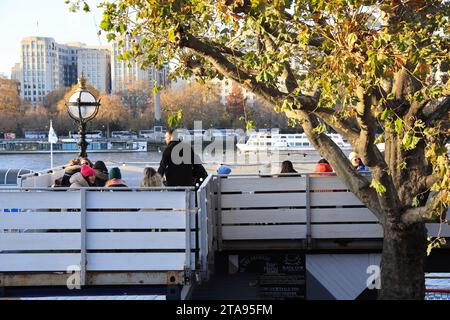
{"x": 14, "y": 210}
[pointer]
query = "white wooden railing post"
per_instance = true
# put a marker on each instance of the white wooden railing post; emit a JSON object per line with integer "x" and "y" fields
{"x": 83, "y": 258}
{"x": 211, "y": 211}
{"x": 308, "y": 211}
{"x": 219, "y": 214}
{"x": 188, "y": 233}
{"x": 203, "y": 216}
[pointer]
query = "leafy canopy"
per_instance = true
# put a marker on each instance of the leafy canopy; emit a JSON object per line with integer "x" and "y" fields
{"x": 359, "y": 66}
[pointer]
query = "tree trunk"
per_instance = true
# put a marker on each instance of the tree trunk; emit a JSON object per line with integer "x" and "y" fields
{"x": 402, "y": 265}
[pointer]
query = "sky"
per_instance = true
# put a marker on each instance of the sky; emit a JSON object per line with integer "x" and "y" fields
{"x": 45, "y": 18}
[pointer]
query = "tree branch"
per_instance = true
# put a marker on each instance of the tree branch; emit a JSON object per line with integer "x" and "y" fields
{"x": 427, "y": 182}
{"x": 231, "y": 71}
{"x": 435, "y": 111}
{"x": 414, "y": 111}
{"x": 270, "y": 94}
{"x": 425, "y": 213}
{"x": 367, "y": 124}
{"x": 372, "y": 156}
{"x": 357, "y": 184}
{"x": 288, "y": 75}
{"x": 226, "y": 50}
{"x": 403, "y": 84}
{"x": 307, "y": 114}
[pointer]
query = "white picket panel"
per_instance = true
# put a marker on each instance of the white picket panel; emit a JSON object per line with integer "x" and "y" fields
{"x": 137, "y": 261}
{"x": 42, "y": 181}
{"x": 95, "y": 241}
{"x": 137, "y": 240}
{"x": 137, "y": 220}
{"x": 95, "y": 261}
{"x": 38, "y": 262}
{"x": 263, "y": 200}
{"x": 264, "y": 216}
{"x": 346, "y": 231}
{"x": 141, "y": 199}
{"x": 285, "y": 215}
{"x": 40, "y": 241}
{"x": 39, "y": 200}
{"x": 342, "y": 215}
{"x": 245, "y": 184}
{"x": 334, "y": 199}
{"x": 95, "y": 220}
{"x": 435, "y": 229}
{"x": 264, "y": 232}
{"x": 327, "y": 183}
{"x": 40, "y": 220}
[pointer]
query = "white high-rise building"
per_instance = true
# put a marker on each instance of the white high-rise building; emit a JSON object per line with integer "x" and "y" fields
{"x": 126, "y": 72}
{"x": 45, "y": 66}
{"x": 95, "y": 63}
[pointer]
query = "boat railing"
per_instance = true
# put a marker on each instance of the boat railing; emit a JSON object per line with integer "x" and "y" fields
{"x": 141, "y": 236}
{"x": 315, "y": 211}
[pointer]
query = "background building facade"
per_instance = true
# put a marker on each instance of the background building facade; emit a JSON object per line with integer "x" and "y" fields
{"x": 46, "y": 65}
{"x": 127, "y": 72}
{"x": 224, "y": 88}
{"x": 95, "y": 64}
{"x": 16, "y": 73}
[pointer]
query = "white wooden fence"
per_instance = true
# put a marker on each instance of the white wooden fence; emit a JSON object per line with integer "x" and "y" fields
{"x": 308, "y": 207}
{"x": 139, "y": 230}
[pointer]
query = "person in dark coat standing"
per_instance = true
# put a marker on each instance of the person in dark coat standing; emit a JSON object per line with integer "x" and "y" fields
{"x": 175, "y": 166}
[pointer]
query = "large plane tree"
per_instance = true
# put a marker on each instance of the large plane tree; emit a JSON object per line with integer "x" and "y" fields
{"x": 372, "y": 70}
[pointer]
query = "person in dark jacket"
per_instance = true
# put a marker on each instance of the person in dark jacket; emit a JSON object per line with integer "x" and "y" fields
{"x": 73, "y": 167}
{"x": 175, "y": 166}
{"x": 101, "y": 173}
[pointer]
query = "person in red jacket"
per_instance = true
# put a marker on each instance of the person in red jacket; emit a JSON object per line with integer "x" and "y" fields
{"x": 324, "y": 166}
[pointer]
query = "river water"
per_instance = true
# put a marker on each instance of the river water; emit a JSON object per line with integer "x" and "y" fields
{"x": 243, "y": 164}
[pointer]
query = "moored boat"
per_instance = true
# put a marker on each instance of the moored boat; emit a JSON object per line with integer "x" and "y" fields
{"x": 286, "y": 142}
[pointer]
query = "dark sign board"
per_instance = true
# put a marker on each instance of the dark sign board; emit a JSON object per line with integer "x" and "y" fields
{"x": 279, "y": 275}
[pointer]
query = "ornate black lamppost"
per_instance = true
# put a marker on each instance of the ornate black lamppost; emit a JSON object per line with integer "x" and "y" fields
{"x": 82, "y": 107}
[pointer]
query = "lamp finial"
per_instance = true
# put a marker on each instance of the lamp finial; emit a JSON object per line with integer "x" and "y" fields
{"x": 82, "y": 81}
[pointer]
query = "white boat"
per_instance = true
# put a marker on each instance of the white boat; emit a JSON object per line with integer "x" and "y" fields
{"x": 286, "y": 142}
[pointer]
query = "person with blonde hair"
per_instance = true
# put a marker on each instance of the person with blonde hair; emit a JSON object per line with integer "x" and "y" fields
{"x": 357, "y": 163}
{"x": 151, "y": 178}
